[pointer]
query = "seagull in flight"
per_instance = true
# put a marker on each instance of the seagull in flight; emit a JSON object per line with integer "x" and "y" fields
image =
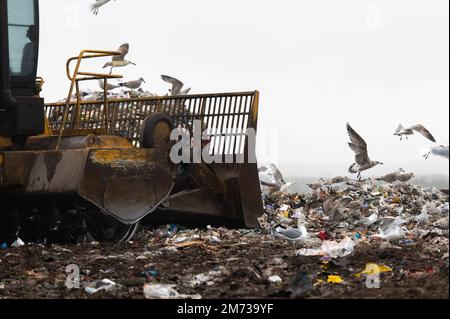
{"x": 402, "y": 131}
{"x": 271, "y": 176}
{"x": 441, "y": 150}
{"x": 390, "y": 229}
{"x": 359, "y": 147}
{"x": 118, "y": 61}
{"x": 177, "y": 85}
{"x": 97, "y": 4}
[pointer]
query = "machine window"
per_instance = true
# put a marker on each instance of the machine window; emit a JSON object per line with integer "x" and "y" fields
{"x": 23, "y": 37}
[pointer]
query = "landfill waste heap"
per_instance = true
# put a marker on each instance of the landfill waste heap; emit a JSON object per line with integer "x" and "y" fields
{"x": 341, "y": 240}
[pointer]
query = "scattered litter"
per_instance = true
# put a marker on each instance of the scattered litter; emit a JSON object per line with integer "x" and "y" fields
{"x": 275, "y": 279}
{"x": 18, "y": 243}
{"x": 334, "y": 279}
{"x": 150, "y": 273}
{"x": 102, "y": 285}
{"x": 302, "y": 285}
{"x": 159, "y": 291}
{"x": 373, "y": 269}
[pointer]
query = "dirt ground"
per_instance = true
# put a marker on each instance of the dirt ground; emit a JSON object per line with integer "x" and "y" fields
{"x": 241, "y": 264}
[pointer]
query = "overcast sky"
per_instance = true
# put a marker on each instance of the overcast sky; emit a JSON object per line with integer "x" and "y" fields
{"x": 317, "y": 63}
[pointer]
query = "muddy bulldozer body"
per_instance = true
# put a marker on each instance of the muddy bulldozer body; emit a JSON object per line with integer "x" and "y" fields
{"x": 104, "y": 166}
{"x": 96, "y": 168}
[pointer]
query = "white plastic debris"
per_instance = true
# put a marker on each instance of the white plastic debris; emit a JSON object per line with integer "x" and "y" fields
{"x": 160, "y": 291}
{"x": 335, "y": 249}
{"x": 275, "y": 279}
{"x": 423, "y": 218}
{"x": 331, "y": 249}
{"x": 103, "y": 285}
{"x": 18, "y": 243}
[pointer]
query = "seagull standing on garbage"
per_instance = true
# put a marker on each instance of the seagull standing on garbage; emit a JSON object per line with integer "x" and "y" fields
{"x": 134, "y": 85}
{"x": 368, "y": 221}
{"x": 271, "y": 176}
{"x": 359, "y": 147}
{"x": 335, "y": 208}
{"x": 390, "y": 229}
{"x": 109, "y": 86}
{"x": 391, "y": 178}
{"x": 402, "y": 131}
{"x": 119, "y": 61}
{"x": 405, "y": 177}
{"x": 441, "y": 150}
{"x": 97, "y": 4}
{"x": 177, "y": 85}
{"x": 293, "y": 234}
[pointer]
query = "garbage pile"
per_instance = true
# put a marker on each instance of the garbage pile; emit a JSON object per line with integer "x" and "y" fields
{"x": 341, "y": 213}
{"x": 337, "y": 241}
{"x": 97, "y": 95}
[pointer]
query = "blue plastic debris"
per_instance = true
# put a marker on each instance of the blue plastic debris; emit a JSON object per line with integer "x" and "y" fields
{"x": 150, "y": 273}
{"x": 4, "y": 246}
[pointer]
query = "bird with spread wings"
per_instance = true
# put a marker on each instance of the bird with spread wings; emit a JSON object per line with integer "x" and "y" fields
{"x": 359, "y": 147}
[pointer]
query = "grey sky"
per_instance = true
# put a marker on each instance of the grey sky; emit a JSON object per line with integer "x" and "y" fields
{"x": 317, "y": 64}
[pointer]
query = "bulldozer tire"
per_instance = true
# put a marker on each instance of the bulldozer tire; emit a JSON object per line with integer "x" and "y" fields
{"x": 156, "y": 130}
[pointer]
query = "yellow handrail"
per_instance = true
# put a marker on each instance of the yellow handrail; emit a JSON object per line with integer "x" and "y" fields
{"x": 75, "y": 78}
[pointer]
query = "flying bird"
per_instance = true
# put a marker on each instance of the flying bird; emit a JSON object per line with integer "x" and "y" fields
{"x": 109, "y": 86}
{"x": 390, "y": 229}
{"x": 271, "y": 176}
{"x": 359, "y": 147}
{"x": 134, "y": 85}
{"x": 402, "y": 131}
{"x": 97, "y": 4}
{"x": 118, "y": 61}
{"x": 177, "y": 86}
{"x": 441, "y": 150}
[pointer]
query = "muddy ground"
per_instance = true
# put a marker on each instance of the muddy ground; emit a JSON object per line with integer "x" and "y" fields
{"x": 241, "y": 263}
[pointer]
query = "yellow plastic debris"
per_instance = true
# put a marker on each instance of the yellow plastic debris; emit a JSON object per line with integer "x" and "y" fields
{"x": 374, "y": 269}
{"x": 334, "y": 279}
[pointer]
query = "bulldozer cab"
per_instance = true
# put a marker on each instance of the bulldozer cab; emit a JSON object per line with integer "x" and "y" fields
{"x": 21, "y": 111}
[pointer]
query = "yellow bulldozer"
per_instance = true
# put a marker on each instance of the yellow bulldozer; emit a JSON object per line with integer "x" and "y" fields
{"x": 96, "y": 169}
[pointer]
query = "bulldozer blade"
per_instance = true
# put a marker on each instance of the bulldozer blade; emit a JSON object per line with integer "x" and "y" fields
{"x": 127, "y": 184}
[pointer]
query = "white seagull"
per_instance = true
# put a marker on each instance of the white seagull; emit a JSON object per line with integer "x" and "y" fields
{"x": 368, "y": 221}
{"x": 109, "y": 86}
{"x": 134, "y": 85}
{"x": 118, "y": 61}
{"x": 441, "y": 150}
{"x": 97, "y": 4}
{"x": 271, "y": 176}
{"x": 177, "y": 85}
{"x": 293, "y": 234}
{"x": 390, "y": 229}
{"x": 402, "y": 131}
{"x": 359, "y": 147}
{"x": 392, "y": 177}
